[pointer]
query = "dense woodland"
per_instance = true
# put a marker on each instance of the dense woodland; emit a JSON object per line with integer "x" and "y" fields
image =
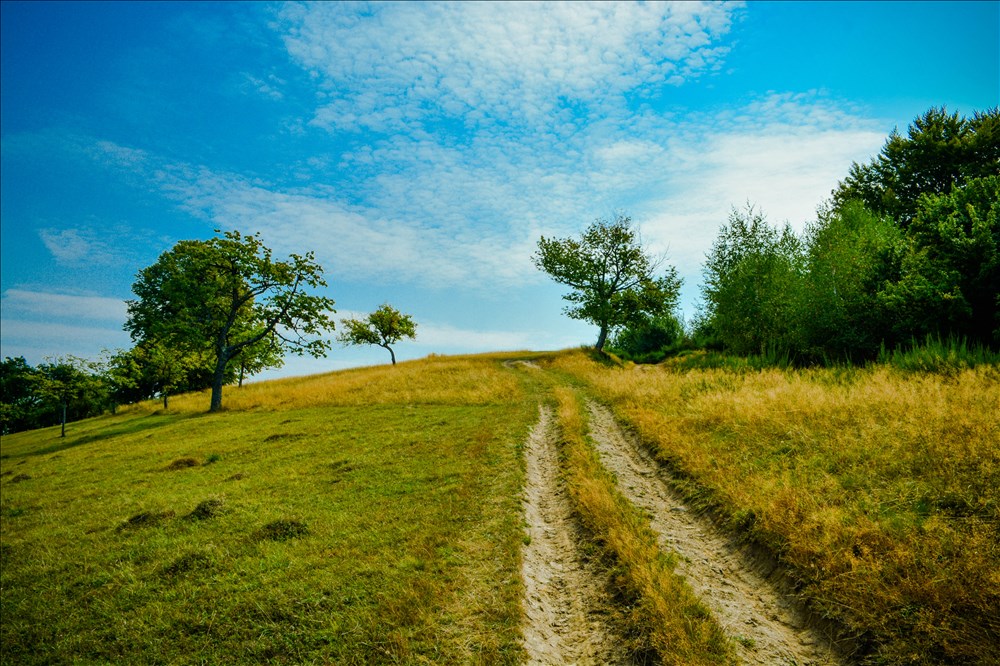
{"x": 904, "y": 257}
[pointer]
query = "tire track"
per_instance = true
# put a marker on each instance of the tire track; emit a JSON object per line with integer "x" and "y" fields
{"x": 565, "y": 595}
{"x": 769, "y": 629}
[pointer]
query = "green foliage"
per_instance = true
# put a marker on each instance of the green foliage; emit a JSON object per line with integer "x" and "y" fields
{"x": 384, "y": 327}
{"x": 611, "y": 274}
{"x": 753, "y": 277}
{"x": 62, "y": 390}
{"x": 649, "y": 341}
{"x": 951, "y": 276}
{"x": 939, "y": 152}
{"x": 908, "y": 248}
{"x": 850, "y": 254}
{"x": 227, "y": 297}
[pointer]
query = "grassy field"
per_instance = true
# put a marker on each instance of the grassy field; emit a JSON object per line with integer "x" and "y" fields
{"x": 374, "y": 515}
{"x": 879, "y": 489}
{"x": 367, "y": 517}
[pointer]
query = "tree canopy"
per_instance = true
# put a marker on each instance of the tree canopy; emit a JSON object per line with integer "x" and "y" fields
{"x": 611, "y": 274}
{"x": 383, "y": 328}
{"x": 228, "y": 297}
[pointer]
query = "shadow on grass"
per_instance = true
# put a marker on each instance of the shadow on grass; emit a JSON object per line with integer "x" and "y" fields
{"x": 131, "y": 427}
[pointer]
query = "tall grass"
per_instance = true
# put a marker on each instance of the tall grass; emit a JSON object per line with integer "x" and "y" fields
{"x": 880, "y": 490}
{"x": 934, "y": 354}
{"x": 668, "y": 615}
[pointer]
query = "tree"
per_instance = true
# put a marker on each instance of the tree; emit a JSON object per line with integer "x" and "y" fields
{"x": 753, "y": 276}
{"x": 940, "y": 151}
{"x": 384, "y": 327}
{"x": 951, "y": 274}
{"x": 224, "y": 296}
{"x": 71, "y": 381}
{"x": 851, "y": 253}
{"x": 611, "y": 274}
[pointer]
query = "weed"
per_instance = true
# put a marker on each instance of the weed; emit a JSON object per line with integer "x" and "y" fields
{"x": 212, "y": 458}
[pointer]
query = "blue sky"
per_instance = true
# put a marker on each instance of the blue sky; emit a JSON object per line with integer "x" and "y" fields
{"x": 420, "y": 149}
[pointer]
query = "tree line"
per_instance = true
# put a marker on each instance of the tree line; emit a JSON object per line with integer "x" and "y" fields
{"x": 908, "y": 246}
{"x": 907, "y": 249}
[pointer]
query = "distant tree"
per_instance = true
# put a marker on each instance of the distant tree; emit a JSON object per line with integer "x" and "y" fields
{"x": 19, "y": 401}
{"x": 224, "y": 296}
{"x": 383, "y": 328}
{"x": 71, "y": 382}
{"x": 267, "y": 353}
{"x": 649, "y": 341}
{"x": 950, "y": 276}
{"x": 611, "y": 274}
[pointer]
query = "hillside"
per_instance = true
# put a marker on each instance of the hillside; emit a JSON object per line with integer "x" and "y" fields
{"x": 395, "y": 515}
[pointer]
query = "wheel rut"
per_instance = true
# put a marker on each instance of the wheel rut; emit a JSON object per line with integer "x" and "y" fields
{"x": 768, "y": 627}
{"x": 565, "y": 599}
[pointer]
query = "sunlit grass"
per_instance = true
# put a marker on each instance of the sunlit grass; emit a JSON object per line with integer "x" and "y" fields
{"x": 880, "y": 489}
{"x": 371, "y": 516}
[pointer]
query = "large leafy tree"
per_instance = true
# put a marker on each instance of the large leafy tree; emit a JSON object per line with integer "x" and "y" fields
{"x": 851, "y": 253}
{"x": 939, "y": 151}
{"x": 753, "y": 277}
{"x": 383, "y": 328}
{"x": 611, "y": 274}
{"x": 226, "y": 295}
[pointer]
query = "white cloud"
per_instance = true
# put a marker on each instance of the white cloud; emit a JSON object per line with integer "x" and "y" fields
{"x": 77, "y": 246}
{"x": 395, "y": 64}
{"x": 69, "y": 306}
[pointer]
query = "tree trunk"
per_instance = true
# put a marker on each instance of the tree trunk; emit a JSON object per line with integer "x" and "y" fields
{"x": 218, "y": 379}
{"x": 165, "y": 396}
{"x": 63, "y": 419}
{"x": 391, "y": 354}
{"x": 602, "y": 338}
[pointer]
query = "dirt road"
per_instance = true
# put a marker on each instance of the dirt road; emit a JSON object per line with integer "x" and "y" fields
{"x": 769, "y": 629}
{"x": 565, "y": 599}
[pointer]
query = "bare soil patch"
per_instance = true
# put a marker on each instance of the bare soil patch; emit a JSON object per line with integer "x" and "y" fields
{"x": 565, "y": 599}
{"x": 769, "y": 627}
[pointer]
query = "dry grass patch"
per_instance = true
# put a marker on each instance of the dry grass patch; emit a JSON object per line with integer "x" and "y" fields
{"x": 881, "y": 490}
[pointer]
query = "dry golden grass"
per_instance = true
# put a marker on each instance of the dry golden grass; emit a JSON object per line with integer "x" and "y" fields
{"x": 675, "y": 624}
{"x": 472, "y": 380}
{"x": 880, "y": 490}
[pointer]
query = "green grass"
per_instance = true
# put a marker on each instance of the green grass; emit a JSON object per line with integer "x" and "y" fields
{"x": 387, "y": 533}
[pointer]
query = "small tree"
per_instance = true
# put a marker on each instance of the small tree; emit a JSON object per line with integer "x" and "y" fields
{"x": 611, "y": 274}
{"x": 226, "y": 295}
{"x": 71, "y": 381}
{"x": 384, "y": 327}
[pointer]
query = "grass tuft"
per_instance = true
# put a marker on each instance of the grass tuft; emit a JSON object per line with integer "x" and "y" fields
{"x": 146, "y": 519}
{"x": 206, "y": 509}
{"x": 182, "y": 463}
{"x": 283, "y": 530}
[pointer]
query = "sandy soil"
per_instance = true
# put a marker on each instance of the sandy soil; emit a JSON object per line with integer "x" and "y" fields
{"x": 565, "y": 597}
{"x": 769, "y": 628}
